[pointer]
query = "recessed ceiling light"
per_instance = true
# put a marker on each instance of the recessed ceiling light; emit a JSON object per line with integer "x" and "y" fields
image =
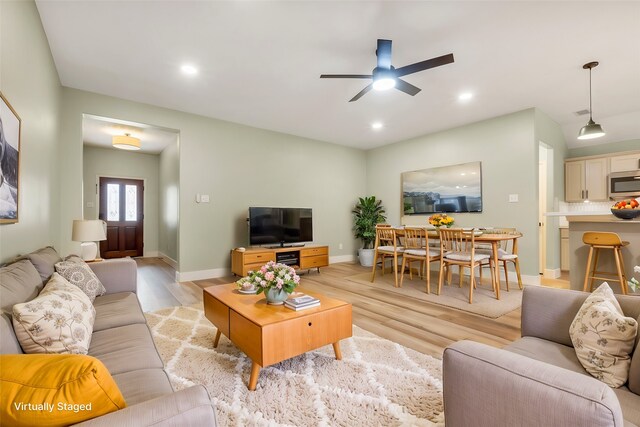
{"x": 465, "y": 96}
{"x": 189, "y": 70}
{"x": 376, "y": 125}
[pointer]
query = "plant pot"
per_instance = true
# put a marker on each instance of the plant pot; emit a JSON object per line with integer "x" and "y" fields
{"x": 276, "y": 296}
{"x": 366, "y": 257}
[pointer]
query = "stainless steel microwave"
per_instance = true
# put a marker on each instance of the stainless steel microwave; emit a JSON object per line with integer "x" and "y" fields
{"x": 624, "y": 184}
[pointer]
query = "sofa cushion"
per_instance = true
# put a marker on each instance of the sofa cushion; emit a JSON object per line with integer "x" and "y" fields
{"x": 44, "y": 261}
{"x": 80, "y": 275}
{"x": 142, "y": 385}
{"x": 59, "y": 320}
{"x": 114, "y": 310}
{"x": 604, "y": 337}
{"x": 9, "y": 343}
{"x": 549, "y": 352}
{"x": 630, "y": 404}
{"x": 62, "y": 382}
{"x": 126, "y": 348}
{"x": 19, "y": 282}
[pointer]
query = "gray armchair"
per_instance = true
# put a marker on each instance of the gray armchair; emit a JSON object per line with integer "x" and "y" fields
{"x": 537, "y": 380}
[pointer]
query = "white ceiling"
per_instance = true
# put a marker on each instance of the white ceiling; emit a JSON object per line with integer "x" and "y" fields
{"x": 259, "y": 61}
{"x": 98, "y": 132}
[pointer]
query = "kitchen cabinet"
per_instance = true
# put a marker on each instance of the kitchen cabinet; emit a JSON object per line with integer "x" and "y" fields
{"x": 586, "y": 180}
{"x": 627, "y": 162}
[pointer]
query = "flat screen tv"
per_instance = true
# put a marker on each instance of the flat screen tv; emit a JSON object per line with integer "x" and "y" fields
{"x": 456, "y": 188}
{"x": 281, "y": 226}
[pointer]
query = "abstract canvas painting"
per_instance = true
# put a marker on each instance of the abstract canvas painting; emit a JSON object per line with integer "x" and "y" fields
{"x": 9, "y": 162}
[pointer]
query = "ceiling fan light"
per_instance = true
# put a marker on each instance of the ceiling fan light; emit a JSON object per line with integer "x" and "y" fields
{"x": 384, "y": 83}
{"x": 591, "y": 130}
{"x": 125, "y": 142}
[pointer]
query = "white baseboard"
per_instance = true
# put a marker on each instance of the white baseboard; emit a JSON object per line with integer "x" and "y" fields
{"x": 150, "y": 254}
{"x": 551, "y": 273}
{"x": 166, "y": 258}
{"x": 342, "y": 258}
{"x": 188, "y": 276}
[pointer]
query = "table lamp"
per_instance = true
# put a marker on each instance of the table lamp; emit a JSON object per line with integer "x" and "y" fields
{"x": 88, "y": 231}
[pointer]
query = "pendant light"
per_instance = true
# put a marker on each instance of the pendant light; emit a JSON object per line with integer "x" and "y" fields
{"x": 592, "y": 129}
{"x": 126, "y": 142}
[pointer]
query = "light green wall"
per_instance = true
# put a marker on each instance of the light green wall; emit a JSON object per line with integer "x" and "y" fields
{"x": 507, "y": 148}
{"x": 29, "y": 81}
{"x": 169, "y": 194}
{"x": 550, "y": 133}
{"x": 116, "y": 163}
{"x": 238, "y": 166}
{"x": 596, "y": 150}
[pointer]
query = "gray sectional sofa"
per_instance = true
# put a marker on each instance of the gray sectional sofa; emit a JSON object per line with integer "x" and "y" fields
{"x": 538, "y": 380}
{"x": 121, "y": 340}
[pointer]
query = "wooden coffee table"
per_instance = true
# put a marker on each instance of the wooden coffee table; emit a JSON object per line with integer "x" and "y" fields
{"x": 269, "y": 334}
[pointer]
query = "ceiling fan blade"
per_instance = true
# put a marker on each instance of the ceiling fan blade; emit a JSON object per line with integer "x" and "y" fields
{"x": 383, "y": 52}
{"x": 346, "y": 76}
{"x": 424, "y": 65}
{"x": 361, "y": 93}
{"x": 407, "y": 87}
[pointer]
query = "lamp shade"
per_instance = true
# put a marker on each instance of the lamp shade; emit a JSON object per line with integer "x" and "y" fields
{"x": 90, "y": 230}
{"x": 590, "y": 131}
{"x": 126, "y": 142}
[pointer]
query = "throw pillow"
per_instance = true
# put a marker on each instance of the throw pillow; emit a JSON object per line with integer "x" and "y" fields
{"x": 55, "y": 389}
{"x": 59, "y": 320}
{"x": 78, "y": 273}
{"x": 603, "y": 337}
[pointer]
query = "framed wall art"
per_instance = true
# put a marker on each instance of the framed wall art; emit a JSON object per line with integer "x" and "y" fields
{"x": 9, "y": 162}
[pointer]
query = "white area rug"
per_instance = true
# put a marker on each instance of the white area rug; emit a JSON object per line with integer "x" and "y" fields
{"x": 377, "y": 383}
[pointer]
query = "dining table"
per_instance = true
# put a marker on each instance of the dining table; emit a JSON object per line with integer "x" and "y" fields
{"x": 480, "y": 236}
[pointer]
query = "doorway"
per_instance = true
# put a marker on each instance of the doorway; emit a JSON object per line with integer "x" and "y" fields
{"x": 122, "y": 208}
{"x": 542, "y": 206}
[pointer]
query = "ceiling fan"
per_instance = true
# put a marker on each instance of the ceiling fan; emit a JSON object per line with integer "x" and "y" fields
{"x": 385, "y": 76}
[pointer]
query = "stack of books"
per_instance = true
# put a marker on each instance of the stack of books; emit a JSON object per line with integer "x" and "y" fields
{"x": 302, "y": 302}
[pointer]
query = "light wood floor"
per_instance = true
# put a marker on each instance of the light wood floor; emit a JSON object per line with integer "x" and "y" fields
{"x": 419, "y": 325}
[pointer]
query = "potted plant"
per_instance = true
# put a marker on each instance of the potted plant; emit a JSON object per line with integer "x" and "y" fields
{"x": 366, "y": 214}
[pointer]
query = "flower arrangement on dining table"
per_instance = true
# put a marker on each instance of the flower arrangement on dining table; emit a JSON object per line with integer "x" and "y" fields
{"x": 440, "y": 220}
{"x": 272, "y": 276}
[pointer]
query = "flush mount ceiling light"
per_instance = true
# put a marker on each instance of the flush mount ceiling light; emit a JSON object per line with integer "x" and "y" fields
{"x": 465, "y": 96}
{"x": 376, "y": 126}
{"x": 126, "y": 142}
{"x": 189, "y": 70}
{"x": 592, "y": 129}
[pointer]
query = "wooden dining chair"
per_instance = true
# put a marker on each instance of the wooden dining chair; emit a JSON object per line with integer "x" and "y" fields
{"x": 386, "y": 245}
{"x": 507, "y": 253}
{"x": 457, "y": 247}
{"x": 416, "y": 248}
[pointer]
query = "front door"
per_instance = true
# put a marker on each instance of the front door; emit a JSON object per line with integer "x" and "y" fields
{"x": 121, "y": 206}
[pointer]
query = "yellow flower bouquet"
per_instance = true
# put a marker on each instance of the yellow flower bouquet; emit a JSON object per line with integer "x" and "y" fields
{"x": 439, "y": 220}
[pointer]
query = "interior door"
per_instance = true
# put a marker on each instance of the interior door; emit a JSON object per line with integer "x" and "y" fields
{"x": 121, "y": 207}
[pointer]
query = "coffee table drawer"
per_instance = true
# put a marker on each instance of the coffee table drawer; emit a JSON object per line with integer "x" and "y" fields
{"x": 283, "y": 340}
{"x": 217, "y": 313}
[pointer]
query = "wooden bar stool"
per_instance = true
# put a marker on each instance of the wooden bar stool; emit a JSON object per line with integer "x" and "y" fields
{"x": 604, "y": 240}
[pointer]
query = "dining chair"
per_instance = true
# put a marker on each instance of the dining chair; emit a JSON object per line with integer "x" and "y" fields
{"x": 416, "y": 248}
{"x": 507, "y": 253}
{"x": 386, "y": 245}
{"x": 457, "y": 247}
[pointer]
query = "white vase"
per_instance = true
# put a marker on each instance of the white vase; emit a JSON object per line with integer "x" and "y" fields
{"x": 366, "y": 257}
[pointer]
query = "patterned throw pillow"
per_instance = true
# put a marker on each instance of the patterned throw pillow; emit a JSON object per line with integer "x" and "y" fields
{"x": 603, "y": 337}
{"x": 78, "y": 273}
{"x": 59, "y": 320}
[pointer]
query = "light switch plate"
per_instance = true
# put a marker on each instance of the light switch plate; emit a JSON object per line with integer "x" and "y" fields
{"x": 513, "y": 198}
{"x": 204, "y": 198}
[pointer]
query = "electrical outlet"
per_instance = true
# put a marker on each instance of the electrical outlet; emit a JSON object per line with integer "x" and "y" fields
{"x": 513, "y": 198}
{"x": 89, "y": 204}
{"x": 204, "y": 198}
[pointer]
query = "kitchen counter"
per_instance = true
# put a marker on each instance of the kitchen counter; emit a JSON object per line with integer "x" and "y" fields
{"x": 594, "y": 216}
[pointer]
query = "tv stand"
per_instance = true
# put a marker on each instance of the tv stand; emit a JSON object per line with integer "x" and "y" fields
{"x": 306, "y": 257}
